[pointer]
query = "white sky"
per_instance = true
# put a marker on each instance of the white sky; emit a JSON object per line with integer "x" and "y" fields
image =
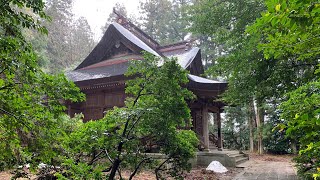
{"x": 97, "y": 11}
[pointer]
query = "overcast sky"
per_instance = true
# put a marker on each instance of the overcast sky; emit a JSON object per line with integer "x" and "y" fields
{"x": 97, "y": 11}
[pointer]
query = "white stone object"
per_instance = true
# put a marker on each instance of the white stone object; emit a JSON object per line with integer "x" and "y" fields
{"x": 217, "y": 167}
{"x": 42, "y": 165}
{"x": 27, "y": 166}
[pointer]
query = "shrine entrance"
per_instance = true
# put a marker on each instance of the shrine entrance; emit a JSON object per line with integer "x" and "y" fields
{"x": 203, "y": 117}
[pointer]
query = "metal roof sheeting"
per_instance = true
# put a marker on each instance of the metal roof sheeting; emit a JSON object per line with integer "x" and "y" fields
{"x": 185, "y": 59}
{"x": 134, "y": 39}
{"x": 99, "y": 72}
{"x": 202, "y": 80}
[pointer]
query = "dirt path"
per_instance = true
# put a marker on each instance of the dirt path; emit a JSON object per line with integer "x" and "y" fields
{"x": 267, "y": 167}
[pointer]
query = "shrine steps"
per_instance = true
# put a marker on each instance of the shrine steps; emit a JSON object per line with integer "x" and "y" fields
{"x": 238, "y": 158}
{"x": 226, "y": 157}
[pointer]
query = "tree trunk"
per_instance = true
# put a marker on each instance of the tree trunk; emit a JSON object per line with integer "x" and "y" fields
{"x": 117, "y": 161}
{"x": 251, "y": 115}
{"x": 114, "y": 169}
{"x": 294, "y": 147}
{"x": 260, "y": 120}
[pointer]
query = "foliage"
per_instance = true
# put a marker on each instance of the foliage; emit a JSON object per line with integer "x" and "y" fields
{"x": 31, "y": 109}
{"x": 164, "y": 20}
{"x": 289, "y": 33}
{"x": 237, "y": 60}
{"x": 155, "y": 108}
{"x": 225, "y": 22}
{"x": 275, "y": 141}
{"x": 235, "y": 129}
{"x": 68, "y": 42}
{"x": 286, "y": 33}
{"x": 289, "y": 29}
{"x": 302, "y": 112}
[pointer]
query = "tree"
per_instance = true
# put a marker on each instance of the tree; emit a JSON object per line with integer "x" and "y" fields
{"x": 252, "y": 75}
{"x": 301, "y": 111}
{"x": 289, "y": 33}
{"x": 154, "y": 110}
{"x": 68, "y": 42}
{"x": 275, "y": 141}
{"x": 237, "y": 59}
{"x": 163, "y": 20}
{"x": 31, "y": 110}
{"x": 81, "y": 42}
{"x": 60, "y": 33}
{"x": 235, "y": 129}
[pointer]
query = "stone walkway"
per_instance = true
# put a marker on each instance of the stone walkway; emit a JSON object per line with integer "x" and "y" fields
{"x": 266, "y": 170}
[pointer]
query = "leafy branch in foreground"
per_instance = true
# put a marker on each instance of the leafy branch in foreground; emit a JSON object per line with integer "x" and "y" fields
{"x": 302, "y": 112}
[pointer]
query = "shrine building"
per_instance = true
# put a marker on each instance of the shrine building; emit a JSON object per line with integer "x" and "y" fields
{"x": 101, "y": 77}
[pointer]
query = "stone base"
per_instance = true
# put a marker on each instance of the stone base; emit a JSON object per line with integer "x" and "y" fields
{"x": 226, "y": 158}
{"x": 204, "y": 158}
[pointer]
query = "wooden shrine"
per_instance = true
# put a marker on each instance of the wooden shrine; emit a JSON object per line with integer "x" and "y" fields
{"x": 101, "y": 76}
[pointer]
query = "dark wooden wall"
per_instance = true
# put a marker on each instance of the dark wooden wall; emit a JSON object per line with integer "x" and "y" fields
{"x": 97, "y": 102}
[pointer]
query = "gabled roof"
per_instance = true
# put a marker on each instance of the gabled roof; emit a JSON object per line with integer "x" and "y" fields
{"x": 102, "y": 63}
{"x": 115, "y": 34}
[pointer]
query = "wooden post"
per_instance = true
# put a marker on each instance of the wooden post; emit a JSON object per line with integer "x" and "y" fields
{"x": 205, "y": 126}
{"x": 220, "y": 144}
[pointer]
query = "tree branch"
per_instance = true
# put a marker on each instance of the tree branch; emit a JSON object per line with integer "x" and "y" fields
{"x": 109, "y": 158}
{"x": 3, "y": 70}
{"x": 138, "y": 166}
{"x": 119, "y": 172}
{"x": 95, "y": 158}
{"x": 159, "y": 168}
{"x": 133, "y": 125}
{"x": 16, "y": 117}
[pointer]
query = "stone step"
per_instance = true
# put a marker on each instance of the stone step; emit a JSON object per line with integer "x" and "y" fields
{"x": 213, "y": 147}
{"x": 241, "y": 160}
{"x": 241, "y": 157}
{"x": 243, "y": 164}
{"x": 236, "y": 155}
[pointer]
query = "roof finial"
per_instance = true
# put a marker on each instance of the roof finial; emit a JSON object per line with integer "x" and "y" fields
{"x": 120, "y": 18}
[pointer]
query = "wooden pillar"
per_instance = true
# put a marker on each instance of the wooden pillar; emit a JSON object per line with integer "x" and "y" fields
{"x": 69, "y": 110}
{"x": 205, "y": 126}
{"x": 220, "y": 144}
